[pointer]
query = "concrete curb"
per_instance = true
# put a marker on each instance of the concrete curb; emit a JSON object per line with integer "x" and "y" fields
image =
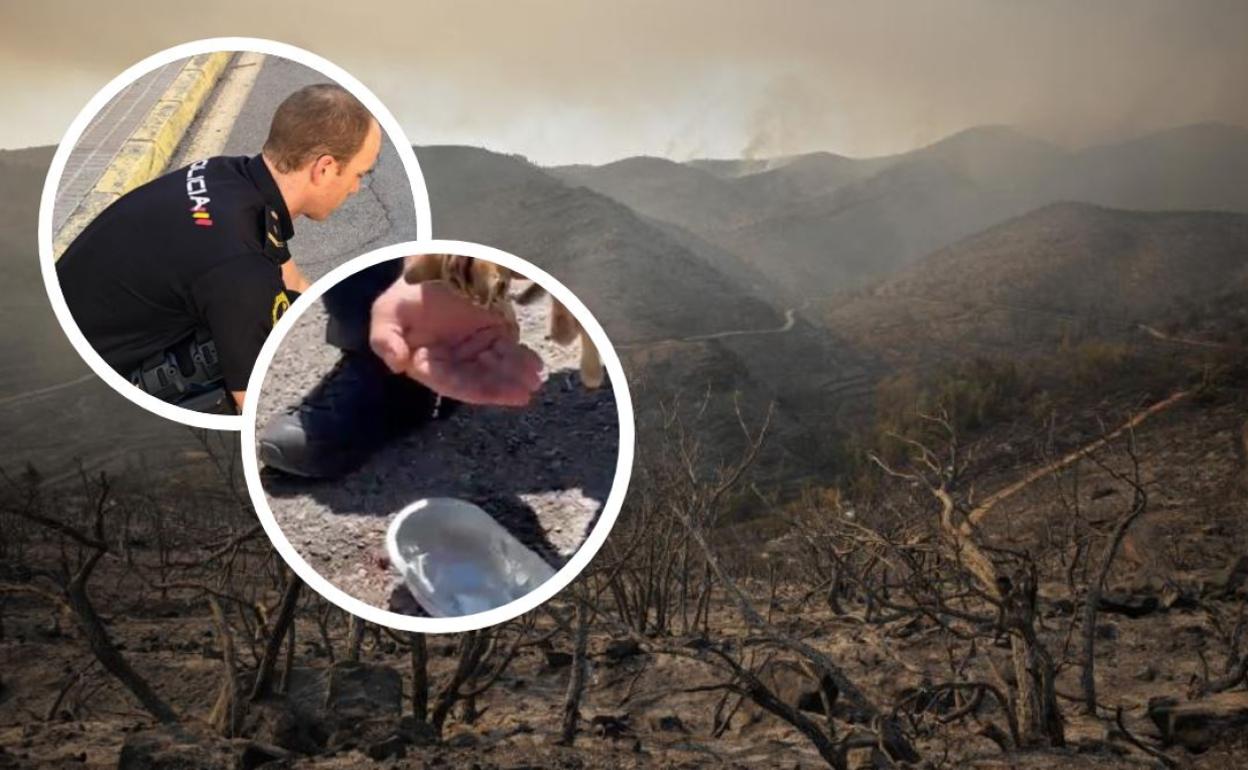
{"x": 144, "y": 155}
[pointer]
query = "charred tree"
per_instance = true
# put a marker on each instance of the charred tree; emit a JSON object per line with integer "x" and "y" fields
{"x": 263, "y": 686}
{"x": 576, "y": 679}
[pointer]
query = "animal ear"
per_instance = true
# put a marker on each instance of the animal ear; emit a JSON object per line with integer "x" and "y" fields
{"x": 499, "y": 281}
{"x": 422, "y": 267}
{"x": 460, "y": 270}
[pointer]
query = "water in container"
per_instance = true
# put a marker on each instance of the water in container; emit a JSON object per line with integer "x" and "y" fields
{"x": 457, "y": 560}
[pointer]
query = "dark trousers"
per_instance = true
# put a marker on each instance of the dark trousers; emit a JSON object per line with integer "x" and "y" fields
{"x": 351, "y": 301}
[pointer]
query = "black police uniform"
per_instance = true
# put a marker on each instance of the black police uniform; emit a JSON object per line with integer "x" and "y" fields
{"x": 184, "y": 264}
{"x": 359, "y": 405}
{"x": 349, "y": 304}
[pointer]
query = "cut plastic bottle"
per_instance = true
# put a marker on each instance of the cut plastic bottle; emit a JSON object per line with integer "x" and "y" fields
{"x": 457, "y": 560}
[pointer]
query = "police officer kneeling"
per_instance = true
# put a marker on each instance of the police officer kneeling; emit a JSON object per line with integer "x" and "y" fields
{"x": 179, "y": 282}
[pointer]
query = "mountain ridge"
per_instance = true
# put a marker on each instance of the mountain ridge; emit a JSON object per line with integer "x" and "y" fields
{"x": 857, "y": 226}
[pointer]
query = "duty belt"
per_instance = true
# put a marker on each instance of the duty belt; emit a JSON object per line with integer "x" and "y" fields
{"x": 187, "y": 374}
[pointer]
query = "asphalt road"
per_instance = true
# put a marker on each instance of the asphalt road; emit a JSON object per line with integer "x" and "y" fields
{"x": 382, "y": 213}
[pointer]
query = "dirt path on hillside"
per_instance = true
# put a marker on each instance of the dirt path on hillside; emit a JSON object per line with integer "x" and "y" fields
{"x": 790, "y": 318}
{"x": 46, "y": 390}
{"x": 1158, "y": 334}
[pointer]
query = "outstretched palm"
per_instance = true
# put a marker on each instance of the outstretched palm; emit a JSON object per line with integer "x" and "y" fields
{"x": 462, "y": 351}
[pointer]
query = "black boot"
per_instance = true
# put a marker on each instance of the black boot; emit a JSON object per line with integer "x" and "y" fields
{"x": 357, "y": 408}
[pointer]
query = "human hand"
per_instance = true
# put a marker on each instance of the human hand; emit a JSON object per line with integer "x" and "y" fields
{"x": 454, "y": 347}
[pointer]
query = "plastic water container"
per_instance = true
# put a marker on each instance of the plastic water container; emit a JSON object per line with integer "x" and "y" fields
{"x": 457, "y": 560}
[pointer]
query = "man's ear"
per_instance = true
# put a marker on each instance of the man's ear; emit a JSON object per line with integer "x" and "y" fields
{"x": 322, "y": 166}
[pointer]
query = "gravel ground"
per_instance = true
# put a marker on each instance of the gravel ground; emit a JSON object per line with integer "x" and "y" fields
{"x": 543, "y": 472}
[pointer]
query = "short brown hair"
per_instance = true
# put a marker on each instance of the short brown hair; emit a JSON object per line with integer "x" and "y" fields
{"x": 316, "y": 120}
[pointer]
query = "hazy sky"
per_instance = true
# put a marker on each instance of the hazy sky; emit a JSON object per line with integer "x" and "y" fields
{"x": 569, "y": 82}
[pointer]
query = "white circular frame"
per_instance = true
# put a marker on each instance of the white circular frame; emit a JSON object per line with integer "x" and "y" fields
{"x": 579, "y": 560}
{"x": 407, "y": 156}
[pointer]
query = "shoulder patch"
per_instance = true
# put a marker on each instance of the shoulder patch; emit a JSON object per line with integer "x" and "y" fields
{"x": 281, "y": 303}
{"x": 274, "y": 244}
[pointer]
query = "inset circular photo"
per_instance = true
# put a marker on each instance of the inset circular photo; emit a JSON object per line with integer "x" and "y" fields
{"x": 197, "y": 196}
{"x": 441, "y": 439}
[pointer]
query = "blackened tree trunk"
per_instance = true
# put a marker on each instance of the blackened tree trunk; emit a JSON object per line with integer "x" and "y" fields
{"x": 420, "y": 677}
{"x": 273, "y": 645}
{"x": 576, "y": 680}
{"x": 104, "y": 649}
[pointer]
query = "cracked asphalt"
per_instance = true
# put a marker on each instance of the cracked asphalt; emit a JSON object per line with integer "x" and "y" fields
{"x": 382, "y": 212}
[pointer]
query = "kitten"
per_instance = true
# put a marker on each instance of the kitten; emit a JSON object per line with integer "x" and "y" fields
{"x": 482, "y": 281}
